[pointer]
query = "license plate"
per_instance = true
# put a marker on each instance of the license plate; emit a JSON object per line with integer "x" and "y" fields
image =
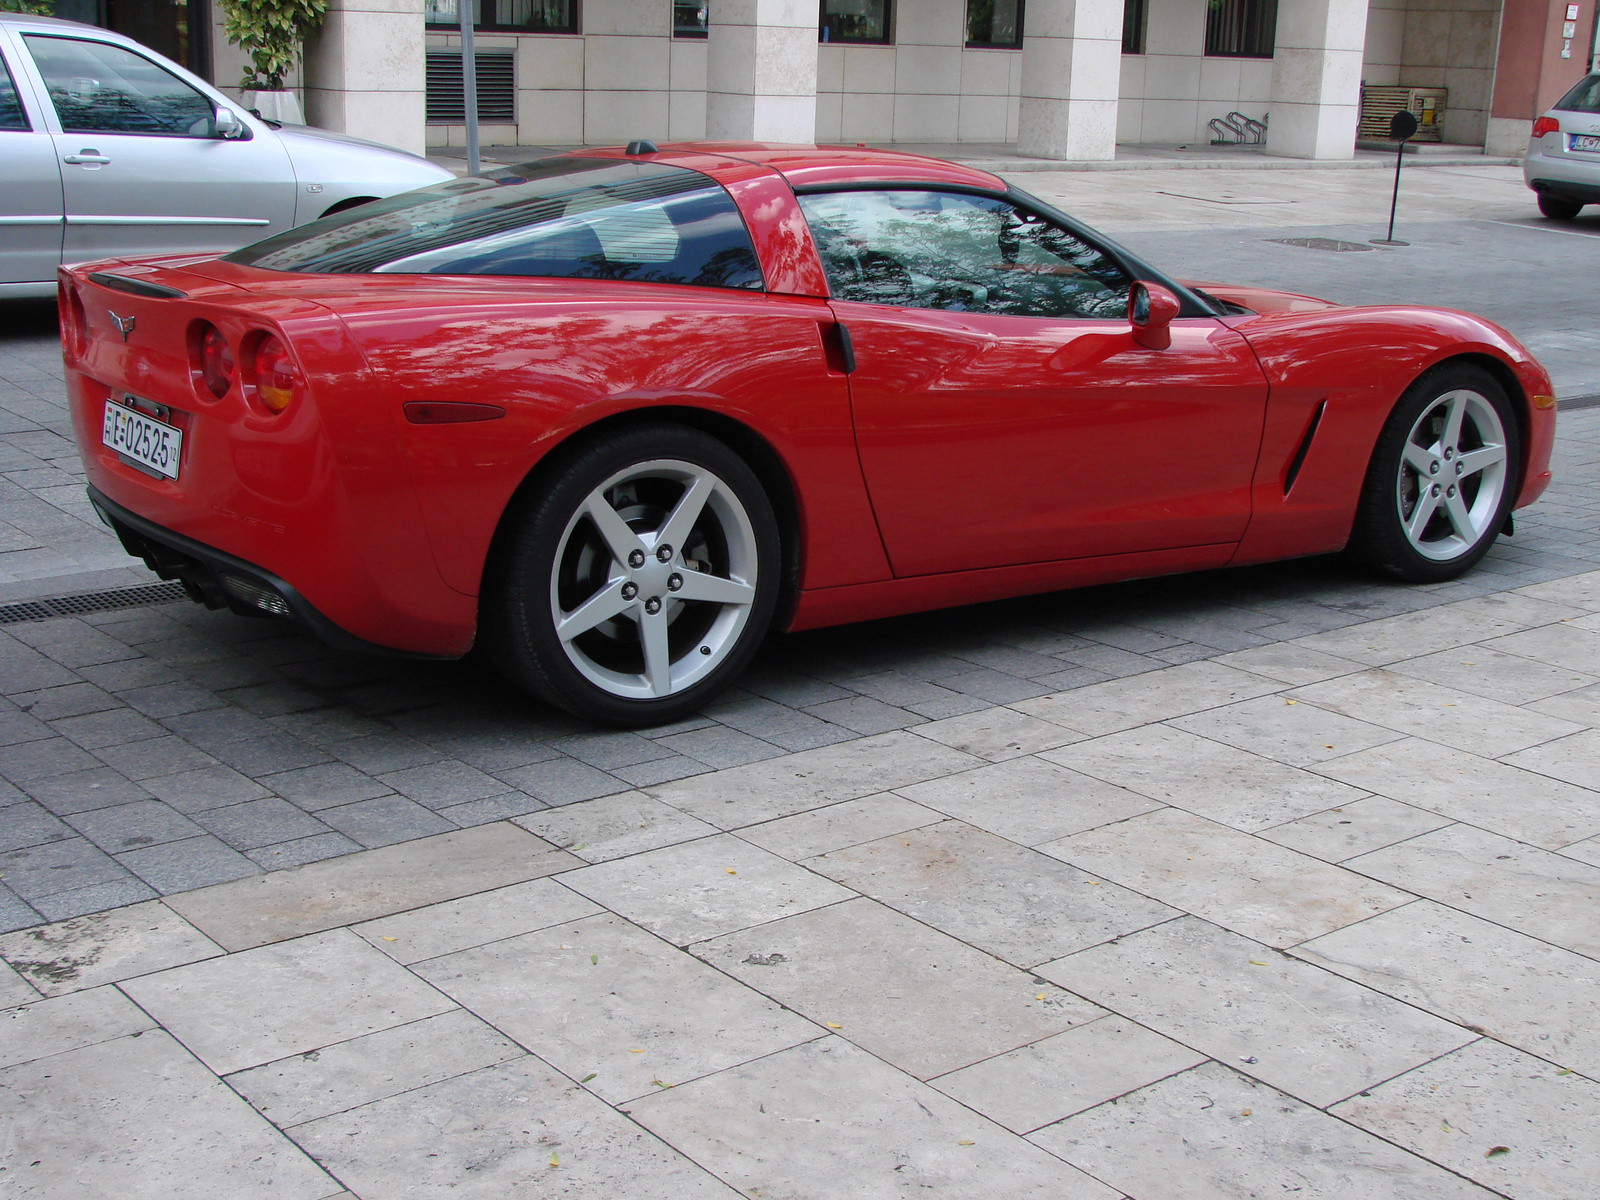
{"x": 146, "y": 440}
{"x": 1585, "y": 141}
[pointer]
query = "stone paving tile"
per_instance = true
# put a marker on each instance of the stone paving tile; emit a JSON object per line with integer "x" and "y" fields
{"x": 28, "y": 824}
{"x": 14, "y": 990}
{"x": 1305, "y": 1031}
{"x": 1575, "y": 759}
{"x": 1503, "y": 1119}
{"x": 70, "y": 1022}
{"x": 346, "y": 1075}
{"x": 1497, "y": 796}
{"x": 1021, "y": 906}
{"x": 1342, "y": 833}
{"x": 325, "y": 786}
{"x": 300, "y": 851}
{"x": 514, "y": 1126}
{"x": 1061, "y": 1075}
{"x": 1581, "y": 707}
{"x": 695, "y": 890}
{"x": 105, "y": 947}
{"x": 1545, "y": 895}
{"x": 1229, "y": 785}
{"x": 257, "y": 823}
{"x": 263, "y": 1004}
{"x": 146, "y": 1091}
{"x": 1244, "y": 884}
{"x": 1509, "y": 986}
{"x": 771, "y": 1128}
{"x": 997, "y": 734}
{"x": 493, "y": 916}
{"x": 181, "y": 866}
{"x": 836, "y": 826}
{"x": 1286, "y": 730}
{"x": 96, "y": 897}
{"x": 1493, "y": 673}
{"x": 562, "y": 781}
{"x": 600, "y": 999}
{"x": 1391, "y": 639}
{"x": 615, "y": 826}
{"x": 1171, "y": 692}
{"x": 384, "y": 821}
{"x": 38, "y": 871}
{"x": 392, "y": 879}
{"x": 1204, "y": 1132}
{"x": 129, "y": 826}
{"x": 917, "y": 998}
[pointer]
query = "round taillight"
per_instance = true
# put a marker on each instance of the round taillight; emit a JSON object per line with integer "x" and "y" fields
{"x": 216, "y": 362}
{"x": 276, "y": 378}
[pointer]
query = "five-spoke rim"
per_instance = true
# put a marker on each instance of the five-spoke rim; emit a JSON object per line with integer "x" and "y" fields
{"x": 1452, "y": 475}
{"x": 653, "y": 579}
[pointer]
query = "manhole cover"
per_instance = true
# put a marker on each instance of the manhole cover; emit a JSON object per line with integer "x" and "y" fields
{"x": 1320, "y": 244}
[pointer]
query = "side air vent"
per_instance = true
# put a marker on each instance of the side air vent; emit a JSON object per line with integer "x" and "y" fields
{"x": 1299, "y": 458}
{"x": 497, "y": 88}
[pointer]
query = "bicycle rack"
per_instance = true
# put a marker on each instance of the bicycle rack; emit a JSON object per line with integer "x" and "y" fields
{"x": 1236, "y": 129}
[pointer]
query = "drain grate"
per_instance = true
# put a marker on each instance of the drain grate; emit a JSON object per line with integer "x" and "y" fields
{"x": 71, "y": 606}
{"x": 1312, "y": 243}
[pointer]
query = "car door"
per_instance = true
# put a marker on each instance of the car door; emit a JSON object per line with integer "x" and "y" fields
{"x": 1003, "y": 412}
{"x": 142, "y": 168}
{"x": 30, "y": 186}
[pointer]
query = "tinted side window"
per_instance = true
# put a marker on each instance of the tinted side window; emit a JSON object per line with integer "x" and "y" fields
{"x": 1584, "y": 98}
{"x": 572, "y": 218}
{"x": 11, "y": 114}
{"x": 967, "y": 253}
{"x": 99, "y": 88}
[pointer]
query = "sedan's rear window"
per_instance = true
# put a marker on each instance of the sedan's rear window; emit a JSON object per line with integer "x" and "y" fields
{"x": 1584, "y": 98}
{"x": 576, "y": 218}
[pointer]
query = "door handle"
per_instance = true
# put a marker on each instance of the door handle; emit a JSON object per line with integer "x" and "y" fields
{"x": 85, "y": 157}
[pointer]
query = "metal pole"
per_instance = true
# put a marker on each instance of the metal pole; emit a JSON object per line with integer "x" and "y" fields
{"x": 1394, "y": 201}
{"x": 469, "y": 80}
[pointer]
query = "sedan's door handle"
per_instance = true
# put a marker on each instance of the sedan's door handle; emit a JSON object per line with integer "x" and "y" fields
{"x": 86, "y": 156}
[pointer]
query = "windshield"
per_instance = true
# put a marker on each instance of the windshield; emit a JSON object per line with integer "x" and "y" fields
{"x": 1584, "y": 98}
{"x": 582, "y": 218}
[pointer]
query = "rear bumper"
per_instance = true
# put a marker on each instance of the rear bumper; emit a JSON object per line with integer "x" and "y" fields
{"x": 220, "y": 580}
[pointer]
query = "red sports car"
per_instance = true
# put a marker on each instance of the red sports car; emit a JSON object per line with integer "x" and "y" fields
{"x": 615, "y": 414}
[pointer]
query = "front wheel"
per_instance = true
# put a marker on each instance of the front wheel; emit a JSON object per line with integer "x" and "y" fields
{"x": 638, "y": 580}
{"x": 1442, "y": 478}
{"x": 1561, "y": 210}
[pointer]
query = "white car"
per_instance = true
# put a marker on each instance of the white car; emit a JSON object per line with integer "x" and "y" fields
{"x": 1563, "y": 163}
{"x": 108, "y": 149}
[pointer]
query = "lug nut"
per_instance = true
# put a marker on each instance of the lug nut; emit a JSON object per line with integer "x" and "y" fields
{"x": 674, "y": 582}
{"x": 629, "y": 591}
{"x": 1449, "y": 454}
{"x": 1460, "y": 467}
{"x": 636, "y": 558}
{"x": 652, "y": 605}
{"x": 1436, "y": 489}
{"x": 1450, "y": 491}
{"x": 1433, "y": 467}
{"x": 663, "y": 553}
{"x": 705, "y": 649}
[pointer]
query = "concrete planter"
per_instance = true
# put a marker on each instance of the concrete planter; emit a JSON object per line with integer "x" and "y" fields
{"x": 283, "y": 107}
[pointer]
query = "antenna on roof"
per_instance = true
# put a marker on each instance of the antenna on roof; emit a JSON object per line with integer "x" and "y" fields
{"x": 641, "y": 146}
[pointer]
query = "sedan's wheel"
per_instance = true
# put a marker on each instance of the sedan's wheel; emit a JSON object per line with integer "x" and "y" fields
{"x": 639, "y": 581}
{"x": 1442, "y": 477}
{"x": 1561, "y": 210}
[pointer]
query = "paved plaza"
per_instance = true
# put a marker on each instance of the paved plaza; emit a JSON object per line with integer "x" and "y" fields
{"x": 1275, "y": 881}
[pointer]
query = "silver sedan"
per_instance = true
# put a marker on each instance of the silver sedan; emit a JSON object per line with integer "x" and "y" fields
{"x": 108, "y": 149}
{"x": 1563, "y": 163}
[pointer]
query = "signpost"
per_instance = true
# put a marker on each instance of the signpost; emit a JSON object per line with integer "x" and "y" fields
{"x": 1402, "y": 127}
{"x": 467, "y": 10}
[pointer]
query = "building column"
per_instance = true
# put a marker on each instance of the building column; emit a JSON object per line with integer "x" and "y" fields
{"x": 365, "y": 72}
{"x": 1530, "y": 73}
{"x": 1316, "y": 78}
{"x": 1071, "y": 69}
{"x": 761, "y": 71}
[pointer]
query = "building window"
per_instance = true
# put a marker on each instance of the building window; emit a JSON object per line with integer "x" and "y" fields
{"x": 521, "y": 16}
{"x": 1133, "y": 20}
{"x": 689, "y": 18}
{"x": 996, "y": 23}
{"x": 1241, "y": 28}
{"x": 855, "y": 21}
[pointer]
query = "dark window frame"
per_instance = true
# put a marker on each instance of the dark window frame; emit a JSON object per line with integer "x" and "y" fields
{"x": 993, "y": 45}
{"x": 1135, "y": 25}
{"x": 490, "y": 7}
{"x": 1241, "y": 28}
{"x": 888, "y": 28}
{"x": 688, "y": 32}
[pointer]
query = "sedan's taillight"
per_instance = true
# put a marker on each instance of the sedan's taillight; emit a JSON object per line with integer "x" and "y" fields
{"x": 276, "y": 378}
{"x": 1546, "y": 125}
{"x": 74, "y": 322}
{"x": 216, "y": 362}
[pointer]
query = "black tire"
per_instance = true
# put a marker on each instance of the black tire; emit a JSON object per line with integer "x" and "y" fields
{"x": 1380, "y": 539}
{"x": 526, "y": 583}
{"x": 1561, "y": 210}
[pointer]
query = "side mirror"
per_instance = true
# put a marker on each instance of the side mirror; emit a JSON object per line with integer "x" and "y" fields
{"x": 228, "y": 125}
{"x": 1151, "y": 308}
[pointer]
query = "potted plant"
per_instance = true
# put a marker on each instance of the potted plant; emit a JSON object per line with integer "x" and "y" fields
{"x": 272, "y": 33}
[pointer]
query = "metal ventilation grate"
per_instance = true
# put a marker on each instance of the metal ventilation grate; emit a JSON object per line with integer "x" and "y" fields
{"x": 1320, "y": 243}
{"x": 72, "y": 606}
{"x": 497, "y": 88}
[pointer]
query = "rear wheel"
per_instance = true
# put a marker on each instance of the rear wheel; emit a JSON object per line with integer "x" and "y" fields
{"x": 1442, "y": 478}
{"x": 639, "y": 580}
{"x": 1561, "y": 210}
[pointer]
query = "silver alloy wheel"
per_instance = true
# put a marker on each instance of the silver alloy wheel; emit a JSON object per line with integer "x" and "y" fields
{"x": 1452, "y": 475}
{"x": 653, "y": 579}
